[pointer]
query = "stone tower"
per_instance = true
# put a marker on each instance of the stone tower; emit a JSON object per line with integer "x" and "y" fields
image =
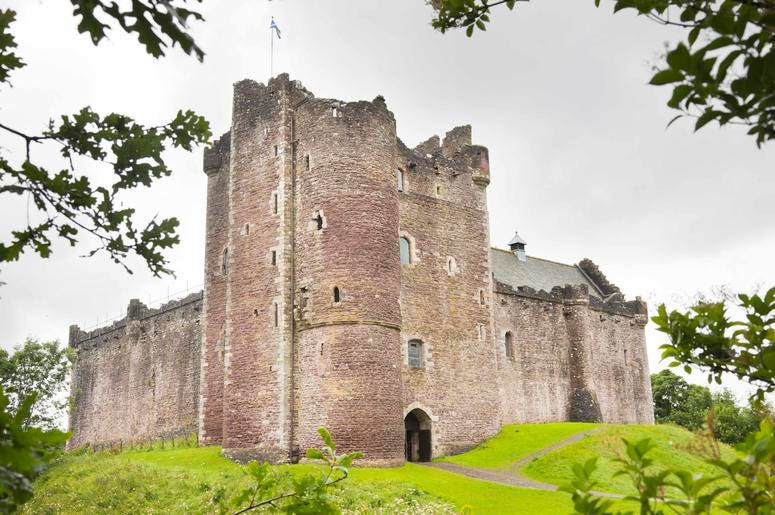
{"x": 302, "y": 319}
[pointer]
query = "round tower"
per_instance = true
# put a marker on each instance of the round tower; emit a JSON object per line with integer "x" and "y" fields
{"x": 347, "y": 278}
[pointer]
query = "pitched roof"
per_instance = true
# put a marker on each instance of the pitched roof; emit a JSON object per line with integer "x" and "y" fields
{"x": 536, "y": 273}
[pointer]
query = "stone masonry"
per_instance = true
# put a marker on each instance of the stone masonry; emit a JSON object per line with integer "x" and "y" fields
{"x": 350, "y": 283}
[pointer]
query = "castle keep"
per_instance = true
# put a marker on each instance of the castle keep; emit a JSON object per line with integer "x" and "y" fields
{"x": 350, "y": 283}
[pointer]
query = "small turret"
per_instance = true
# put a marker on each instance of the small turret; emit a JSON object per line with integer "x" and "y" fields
{"x": 517, "y": 246}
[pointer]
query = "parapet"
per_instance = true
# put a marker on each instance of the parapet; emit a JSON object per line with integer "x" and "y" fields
{"x": 135, "y": 311}
{"x": 593, "y": 272}
{"x": 215, "y": 156}
{"x": 455, "y": 140}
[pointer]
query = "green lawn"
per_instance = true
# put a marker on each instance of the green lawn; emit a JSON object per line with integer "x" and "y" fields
{"x": 191, "y": 480}
{"x": 515, "y": 441}
{"x": 676, "y": 447}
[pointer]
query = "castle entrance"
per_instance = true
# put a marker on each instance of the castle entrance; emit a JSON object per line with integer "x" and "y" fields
{"x": 417, "y": 424}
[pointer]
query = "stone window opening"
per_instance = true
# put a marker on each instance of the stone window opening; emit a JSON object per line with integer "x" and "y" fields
{"x": 438, "y": 191}
{"x": 266, "y": 131}
{"x": 306, "y": 163}
{"x": 625, "y": 357}
{"x": 276, "y": 150}
{"x": 321, "y": 348}
{"x": 451, "y": 266}
{"x": 318, "y": 219}
{"x": 337, "y": 295}
{"x": 275, "y": 203}
{"x": 303, "y": 298}
{"x": 508, "y": 342}
{"x": 480, "y": 332}
{"x": 276, "y": 314}
{"x": 334, "y": 112}
{"x": 225, "y": 261}
{"x": 400, "y": 179}
{"x": 246, "y": 229}
{"x": 481, "y": 297}
{"x": 415, "y": 354}
{"x": 273, "y": 258}
{"x": 406, "y": 251}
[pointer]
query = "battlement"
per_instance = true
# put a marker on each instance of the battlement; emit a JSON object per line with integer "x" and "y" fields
{"x": 215, "y": 157}
{"x": 136, "y": 311}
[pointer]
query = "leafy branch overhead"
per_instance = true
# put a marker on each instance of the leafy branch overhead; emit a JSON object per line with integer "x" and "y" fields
{"x": 68, "y": 204}
{"x": 724, "y": 70}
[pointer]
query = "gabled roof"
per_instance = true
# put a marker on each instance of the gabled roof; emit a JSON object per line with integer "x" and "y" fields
{"x": 537, "y": 273}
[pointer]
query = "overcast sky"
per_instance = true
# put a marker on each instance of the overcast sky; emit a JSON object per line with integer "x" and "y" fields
{"x": 581, "y": 162}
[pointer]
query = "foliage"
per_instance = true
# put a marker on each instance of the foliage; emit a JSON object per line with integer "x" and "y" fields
{"x": 309, "y": 491}
{"x": 41, "y": 369}
{"x": 707, "y": 338}
{"x": 69, "y": 205}
{"x": 724, "y": 71}
{"x": 751, "y": 476}
{"x": 25, "y": 451}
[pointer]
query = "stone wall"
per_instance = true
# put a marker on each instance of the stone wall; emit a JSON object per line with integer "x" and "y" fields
{"x": 575, "y": 357}
{"x": 446, "y": 291}
{"x": 138, "y": 379}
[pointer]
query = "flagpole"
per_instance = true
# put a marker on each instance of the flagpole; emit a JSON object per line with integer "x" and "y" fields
{"x": 271, "y": 52}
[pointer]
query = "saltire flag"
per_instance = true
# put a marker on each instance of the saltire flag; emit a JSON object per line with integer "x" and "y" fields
{"x": 274, "y": 26}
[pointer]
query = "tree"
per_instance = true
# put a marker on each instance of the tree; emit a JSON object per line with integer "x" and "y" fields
{"x": 25, "y": 450}
{"x": 732, "y": 423}
{"x": 724, "y": 71}
{"x": 706, "y": 338}
{"x": 69, "y": 205}
{"x": 39, "y": 369}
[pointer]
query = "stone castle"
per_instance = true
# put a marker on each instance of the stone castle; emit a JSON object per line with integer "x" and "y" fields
{"x": 350, "y": 283}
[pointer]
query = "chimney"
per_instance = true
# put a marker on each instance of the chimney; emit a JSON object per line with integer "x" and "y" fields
{"x": 517, "y": 246}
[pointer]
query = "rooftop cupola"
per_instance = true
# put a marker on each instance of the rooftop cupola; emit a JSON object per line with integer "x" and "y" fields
{"x": 517, "y": 246}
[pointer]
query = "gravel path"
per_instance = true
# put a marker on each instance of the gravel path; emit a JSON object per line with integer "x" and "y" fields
{"x": 515, "y": 478}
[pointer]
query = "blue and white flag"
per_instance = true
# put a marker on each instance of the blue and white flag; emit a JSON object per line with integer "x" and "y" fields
{"x": 274, "y": 26}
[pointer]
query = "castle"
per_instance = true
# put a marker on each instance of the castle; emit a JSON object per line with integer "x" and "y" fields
{"x": 350, "y": 283}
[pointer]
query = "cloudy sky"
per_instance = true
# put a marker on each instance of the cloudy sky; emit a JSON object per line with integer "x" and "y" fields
{"x": 582, "y": 164}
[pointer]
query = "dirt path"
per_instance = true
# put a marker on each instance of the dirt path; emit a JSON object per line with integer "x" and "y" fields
{"x": 515, "y": 478}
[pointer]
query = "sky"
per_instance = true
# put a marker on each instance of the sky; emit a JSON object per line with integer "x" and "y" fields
{"x": 581, "y": 160}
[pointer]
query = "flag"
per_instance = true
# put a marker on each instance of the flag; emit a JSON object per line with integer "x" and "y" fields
{"x": 274, "y": 26}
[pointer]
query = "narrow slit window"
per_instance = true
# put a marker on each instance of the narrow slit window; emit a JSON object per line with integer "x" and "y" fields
{"x": 247, "y": 228}
{"x": 415, "y": 354}
{"x": 337, "y": 295}
{"x": 509, "y": 344}
{"x": 276, "y": 150}
{"x": 276, "y": 314}
{"x": 400, "y": 179}
{"x": 334, "y": 112}
{"x": 273, "y": 258}
{"x": 306, "y": 162}
{"x": 304, "y": 298}
{"x": 481, "y": 297}
{"x": 225, "y": 261}
{"x": 275, "y": 203}
{"x": 438, "y": 191}
{"x": 406, "y": 251}
{"x": 625, "y": 356}
{"x": 318, "y": 219}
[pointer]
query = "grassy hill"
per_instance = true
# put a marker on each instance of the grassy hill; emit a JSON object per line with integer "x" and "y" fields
{"x": 190, "y": 480}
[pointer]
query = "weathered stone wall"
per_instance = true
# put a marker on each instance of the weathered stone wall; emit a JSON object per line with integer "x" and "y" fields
{"x": 346, "y": 237}
{"x": 138, "y": 379}
{"x": 446, "y": 292}
{"x": 216, "y": 166}
{"x": 569, "y": 358}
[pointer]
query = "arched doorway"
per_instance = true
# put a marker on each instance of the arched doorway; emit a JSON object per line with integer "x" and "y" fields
{"x": 417, "y": 424}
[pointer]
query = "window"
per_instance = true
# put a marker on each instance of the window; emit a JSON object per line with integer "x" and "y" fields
{"x": 451, "y": 266}
{"x": 275, "y": 203}
{"x": 625, "y": 357}
{"x": 306, "y": 162}
{"x": 276, "y": 150}
{"x": 509, "y": 344}
{"x": 304, "y": 298}
{"x": 400, "y": 179}
{"x": 276, "y": 314}
{"x": 246, "y": 230}
{"x": 406, "y": 251}
{"x": 318, "y": 219}
{"x": 415, "y": 354}
{"x": 273, "y": 258}
{"x": 225, "y": 261}
{"x": 481, "y": 297}
{"x": 334, "y": 112}
{"x": 438, "y": 191}
{"x": 337, "y": 295}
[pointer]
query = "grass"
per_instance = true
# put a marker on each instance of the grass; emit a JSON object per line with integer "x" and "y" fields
{"x": 192, "y": 480}
{"x": 514, "y": 442}
{"x": 675, "y": 448}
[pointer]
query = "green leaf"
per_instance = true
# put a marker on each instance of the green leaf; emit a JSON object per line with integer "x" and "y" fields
{"x": 679, "y": 58}
{"x": 705, "y": 118}
{"x": 666, "y": 77}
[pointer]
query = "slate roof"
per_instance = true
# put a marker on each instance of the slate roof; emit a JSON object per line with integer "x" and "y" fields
{"x": 536, "y": 273}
